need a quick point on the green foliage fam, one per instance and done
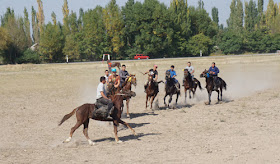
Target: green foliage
(198, 43)
(231, 43)
(29, 56)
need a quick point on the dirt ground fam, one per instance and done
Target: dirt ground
(244, 128)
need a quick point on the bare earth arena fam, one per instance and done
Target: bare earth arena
(243, 128)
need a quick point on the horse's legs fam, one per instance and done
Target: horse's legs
(127, 108)
(177, 98)
(209, 96)
(170, 99)
(152, 100)
(78, 124)
(190, 93)
(85, 131)
(218, 95)
(186, 92)
(221, 94)
(164, 99)
(146, 101)
(115, 123)
(127, 125)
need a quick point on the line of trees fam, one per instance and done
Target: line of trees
(150, 27)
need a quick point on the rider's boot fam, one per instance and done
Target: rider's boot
(215, 83)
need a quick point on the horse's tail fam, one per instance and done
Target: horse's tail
(224, 84)
(199, 85)
(67, 116)
(160, 82)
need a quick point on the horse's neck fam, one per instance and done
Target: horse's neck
(127, 86)
(209, 80)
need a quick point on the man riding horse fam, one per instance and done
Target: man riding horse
(173, 75)
(214, 71)
(190, 68)
(123, 75)
(154, 73)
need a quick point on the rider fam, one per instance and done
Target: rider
(154, 72)
(190, 68)
(173, 75)
(114, 78)
(107, 76)
(101, 95)
(109, 66)
(213, 71)
(123, 74)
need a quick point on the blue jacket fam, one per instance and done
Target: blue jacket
(215, 70)
(172, 73)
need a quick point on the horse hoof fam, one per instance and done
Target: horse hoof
(135, 134)
(119, 141)
(91, 143)
(128, 116)
(67, 140)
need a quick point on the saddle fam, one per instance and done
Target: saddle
(101, 111)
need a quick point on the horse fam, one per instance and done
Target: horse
(151, 90)
(190, 84)
(130, 80)
(86, 111)
(210, 85)
(114, 64)
(170, 88)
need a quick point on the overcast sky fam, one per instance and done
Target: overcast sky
(75, 5)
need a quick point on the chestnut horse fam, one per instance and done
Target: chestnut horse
(114, 64)
(151, 90)
(86, 111)
(190, 84)
(210, 85)
(130, 80)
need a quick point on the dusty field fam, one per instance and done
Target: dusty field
(244, 128)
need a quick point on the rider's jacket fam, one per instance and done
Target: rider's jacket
(215, 70)
(172, 73)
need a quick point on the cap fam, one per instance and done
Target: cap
(114, 70)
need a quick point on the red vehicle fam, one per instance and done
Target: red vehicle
(141, 56)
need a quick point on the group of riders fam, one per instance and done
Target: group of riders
(119, 80)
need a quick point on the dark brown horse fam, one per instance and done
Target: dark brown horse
(210, 85)
(151, 90)
(131, 80)
(114, 64)
(170, 88)
(190, 84)
(86, 111)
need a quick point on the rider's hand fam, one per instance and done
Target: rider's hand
(116, 86)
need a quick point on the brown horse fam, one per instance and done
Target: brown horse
(210, 85)
(170, 88)
(131, 80)
(151, 90)
(190, 84)
(114, 64)
(86, 111)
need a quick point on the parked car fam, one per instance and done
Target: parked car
(141, 56)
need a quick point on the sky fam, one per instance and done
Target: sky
(75, 5)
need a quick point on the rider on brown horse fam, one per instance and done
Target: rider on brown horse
(172, 76)
(153, 72)
(123, 75)
(114, 78)
(101, 96)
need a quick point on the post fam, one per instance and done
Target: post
(67, 59)
(200, 53)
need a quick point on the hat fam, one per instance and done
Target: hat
(155, 65)
(114, 70)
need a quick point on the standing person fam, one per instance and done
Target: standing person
(107, 76)
(101, 96)
(114, 78)
(109, 66)
(173, 75)
(214, 71)
(123, 75)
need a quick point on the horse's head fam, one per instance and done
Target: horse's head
(204, 74)
(167, 75)
(150, 77)
(186, 73)
(132, 79)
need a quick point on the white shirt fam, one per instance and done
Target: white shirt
(100, 88)
(107, 77)
(190, 69)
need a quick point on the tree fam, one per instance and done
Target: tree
(198, 43)
(251, 15)
(27, 28)
(231, 43)
(65, 11)
(51, 43)
(40, 16)
(35, 29)
(235, 21)
(54, 18)
(215, 15)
